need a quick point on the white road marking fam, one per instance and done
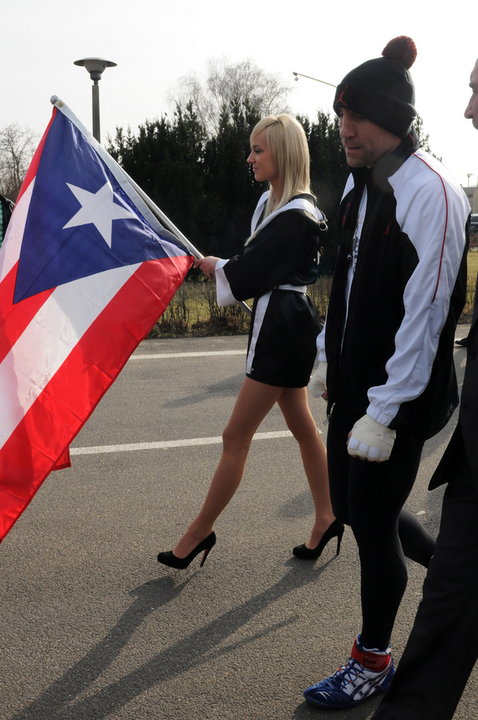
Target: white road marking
(168, 356)
(166, 444)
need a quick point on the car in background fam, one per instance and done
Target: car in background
(474, 231)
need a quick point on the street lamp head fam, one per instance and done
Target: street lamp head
(95, 66)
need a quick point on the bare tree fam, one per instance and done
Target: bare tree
(17, 146)
(241, 83)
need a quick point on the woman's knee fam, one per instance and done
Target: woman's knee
(234, 440)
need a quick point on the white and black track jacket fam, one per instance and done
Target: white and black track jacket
(398, 290)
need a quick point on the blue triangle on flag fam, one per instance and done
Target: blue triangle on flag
(66, 238)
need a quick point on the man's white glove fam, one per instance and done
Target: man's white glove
(318, 380)
(370, 440)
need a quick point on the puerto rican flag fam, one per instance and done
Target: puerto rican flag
(86, 269)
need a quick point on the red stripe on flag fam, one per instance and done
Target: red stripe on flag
(15, 317)
(32, 170)
(70, 397)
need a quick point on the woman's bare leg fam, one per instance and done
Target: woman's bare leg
(294, 405)
(253, 403)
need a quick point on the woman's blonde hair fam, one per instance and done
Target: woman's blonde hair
(288, 144)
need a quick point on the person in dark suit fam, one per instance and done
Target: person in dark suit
(6, 209)
(443, 645)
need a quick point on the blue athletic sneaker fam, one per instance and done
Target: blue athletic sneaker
(367, 673)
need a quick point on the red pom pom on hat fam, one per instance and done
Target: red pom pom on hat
(401, 48)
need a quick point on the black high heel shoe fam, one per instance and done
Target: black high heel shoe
(335, 529)
(169, 558)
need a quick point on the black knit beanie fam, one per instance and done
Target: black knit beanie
(381, 90)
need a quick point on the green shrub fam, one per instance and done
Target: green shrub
(194, 312)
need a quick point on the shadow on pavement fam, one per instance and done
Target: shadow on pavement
(57, 702)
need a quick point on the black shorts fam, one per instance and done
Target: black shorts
(282, 339)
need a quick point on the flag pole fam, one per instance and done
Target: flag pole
(164, 218)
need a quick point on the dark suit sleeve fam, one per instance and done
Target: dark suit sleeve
(276, 252)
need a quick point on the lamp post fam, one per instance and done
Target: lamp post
(297, 75)
(472, 192)
(95, 67)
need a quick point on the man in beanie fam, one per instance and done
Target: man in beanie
(443, 645)
(386, 352)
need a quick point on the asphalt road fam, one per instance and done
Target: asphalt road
(92, 627)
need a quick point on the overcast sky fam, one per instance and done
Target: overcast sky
(157, 42)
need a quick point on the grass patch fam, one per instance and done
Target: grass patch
(472, 269)
(194, 312)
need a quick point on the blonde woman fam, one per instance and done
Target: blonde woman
(279, 260)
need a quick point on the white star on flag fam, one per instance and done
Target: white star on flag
(98, 209)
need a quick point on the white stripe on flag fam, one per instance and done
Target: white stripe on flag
(11, 249)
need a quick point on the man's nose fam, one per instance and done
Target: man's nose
(346, 127)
